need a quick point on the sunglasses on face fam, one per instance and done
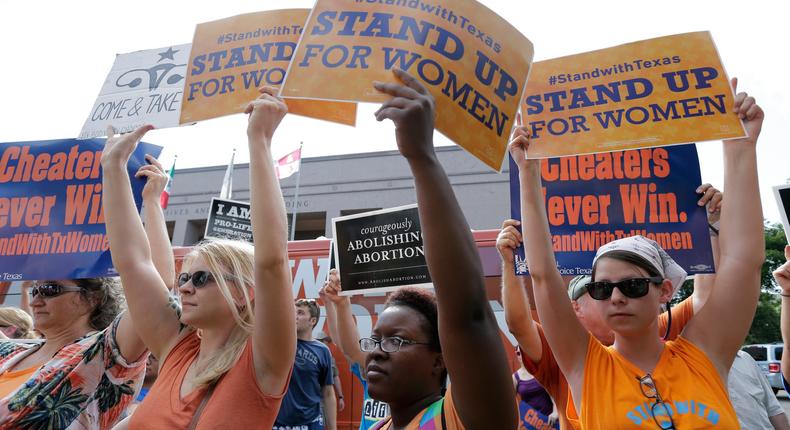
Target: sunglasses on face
(199, 278)
(52, 290)
(633, 288)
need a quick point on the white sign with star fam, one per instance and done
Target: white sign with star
(143, 87)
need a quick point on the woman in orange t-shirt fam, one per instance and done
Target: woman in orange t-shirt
(640, 381)
(222, 363)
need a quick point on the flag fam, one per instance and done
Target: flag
(165, 196)
(227, 183)
(289, 164)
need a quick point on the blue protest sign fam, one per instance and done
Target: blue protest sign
(596, 198)
(51, 217)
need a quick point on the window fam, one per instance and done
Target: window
(778, 353)
(758, 353)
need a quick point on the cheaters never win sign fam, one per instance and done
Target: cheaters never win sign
(473, 62)
(380, 250)
(51, 212)
(229, 219)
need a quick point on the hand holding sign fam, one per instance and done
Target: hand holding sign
(331, 290)
(156, 179)
(411, 108)
(265, 112)
(118, 149)
(751, 114)
(782, 274)
(712, 199)
(518, 148)
(509, 239)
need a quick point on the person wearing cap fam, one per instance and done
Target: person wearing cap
(640, 380)
(537, 357)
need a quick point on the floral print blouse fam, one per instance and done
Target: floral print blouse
(86, 385)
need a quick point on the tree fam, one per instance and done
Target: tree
(765, 326)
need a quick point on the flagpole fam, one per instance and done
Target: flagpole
(296, 193)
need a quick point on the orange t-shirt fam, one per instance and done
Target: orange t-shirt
(692, 390)
(13, 379)
(237, 402)
(548, 373)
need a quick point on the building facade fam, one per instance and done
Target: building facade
(334, 186)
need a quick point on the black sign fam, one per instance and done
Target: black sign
(782, 193)
(380, 250)
(229, 219)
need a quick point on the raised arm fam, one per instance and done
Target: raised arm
(274, 331)
(514, 297)
(149, 302)
(481, 384)
(155, 225)
(782, 278)
(347, 331)
(564, 333)
(742, 248)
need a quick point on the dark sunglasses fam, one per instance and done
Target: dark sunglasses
(199, 278)
(632, 288)
(52, 290)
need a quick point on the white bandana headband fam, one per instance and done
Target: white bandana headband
(652, 253)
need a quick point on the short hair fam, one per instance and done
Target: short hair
(424, 302)
(311, 306)
(107, 297)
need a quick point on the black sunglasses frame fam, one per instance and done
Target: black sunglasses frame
(647, 382)
(633, 288)
(51, 289)
(199, 278)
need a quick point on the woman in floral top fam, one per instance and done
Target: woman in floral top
(92, 363)
(87, 370)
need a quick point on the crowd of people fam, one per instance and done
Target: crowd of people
(224, 344)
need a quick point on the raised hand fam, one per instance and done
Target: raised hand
(118, 149)
(265, 112)
(712, 199)
(411, 108)
(156, 178)
(750, 113)
(518, 147)
(509, 239)
(782, 274)
(332, 289)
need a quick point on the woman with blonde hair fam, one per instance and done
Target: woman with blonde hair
(16, 324)
(227, 348)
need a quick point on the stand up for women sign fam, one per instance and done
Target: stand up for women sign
(594, 199)
(231, 58)
(472, 61)
(656, 92)
(380, 250)
(51, 215)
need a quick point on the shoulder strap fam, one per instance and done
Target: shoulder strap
(196, 417)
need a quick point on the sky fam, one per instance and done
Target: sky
(56, 56)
